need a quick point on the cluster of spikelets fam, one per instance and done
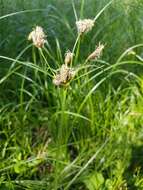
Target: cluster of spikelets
(66, 73)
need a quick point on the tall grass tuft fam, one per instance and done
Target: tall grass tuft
(71, 91)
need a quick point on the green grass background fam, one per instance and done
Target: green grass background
(89, 135)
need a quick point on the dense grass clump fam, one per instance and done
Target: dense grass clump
(71, 95)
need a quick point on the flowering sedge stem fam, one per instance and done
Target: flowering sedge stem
(74, 9)
(49, 54)
(46, 62)
(74, 47)
(102, 10)
(76, 42)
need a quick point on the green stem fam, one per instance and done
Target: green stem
(44, 58)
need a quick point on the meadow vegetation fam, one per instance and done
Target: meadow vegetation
(71, 104)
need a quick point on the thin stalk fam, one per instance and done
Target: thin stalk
(50, 55)
(36, 75)
(74, 47)
(74, 9)
(102, 10)
(76, 42)
(21, 94)
(22, 12)
(44, 58)
(82, 8)
(62, 132)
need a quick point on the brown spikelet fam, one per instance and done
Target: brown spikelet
(68, 57)
(64, 75)
(97, 53)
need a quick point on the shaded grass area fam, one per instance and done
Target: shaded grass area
(88, 134)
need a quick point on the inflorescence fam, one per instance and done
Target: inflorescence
(66, 72)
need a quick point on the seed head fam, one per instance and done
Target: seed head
(84, 26)
(57, 80)
(68, 57)
(97, 53)
(64, 75)
(37, 36)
